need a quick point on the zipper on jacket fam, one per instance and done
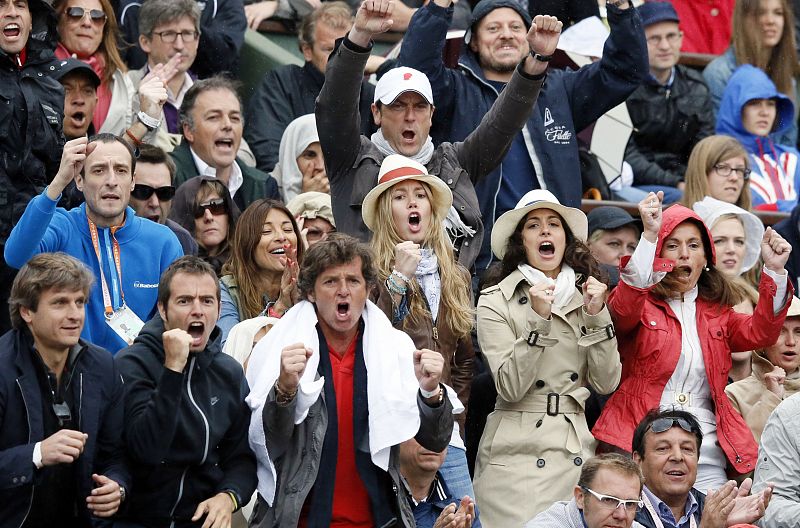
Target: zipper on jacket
(28, 418)
(80, 401)
(180, 496)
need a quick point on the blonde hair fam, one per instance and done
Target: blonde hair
(456, 287)
(706, 154)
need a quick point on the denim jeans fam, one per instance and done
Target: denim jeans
(455, 473)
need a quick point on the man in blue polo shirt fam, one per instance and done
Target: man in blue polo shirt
(127, 254)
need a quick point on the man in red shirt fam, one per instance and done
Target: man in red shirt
(348, 389)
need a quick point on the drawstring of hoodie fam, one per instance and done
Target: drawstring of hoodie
(773, 170)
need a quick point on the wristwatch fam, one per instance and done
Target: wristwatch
(122, 493)
(541, 58)
(147, 121)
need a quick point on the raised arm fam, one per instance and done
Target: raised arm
(486, 146)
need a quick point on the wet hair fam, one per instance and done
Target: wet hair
(705, 155)
(242, 264)
(190, 264)
(43, 272)
(612, 462)
(336, 250)
(576, 255)
(637, 446)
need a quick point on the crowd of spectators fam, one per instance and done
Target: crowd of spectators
(364, 292)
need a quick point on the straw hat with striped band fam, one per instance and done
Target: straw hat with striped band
(395, 169)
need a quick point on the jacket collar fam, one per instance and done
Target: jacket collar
(317, 77)
(124, 233)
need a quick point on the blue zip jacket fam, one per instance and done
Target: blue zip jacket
(568, 102)
(96, 388)
(146, 250)
(776, 175)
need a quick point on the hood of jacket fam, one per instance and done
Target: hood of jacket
(43, 38)
(748, 83)
(182, 210)
(677, 214)
(150, 337)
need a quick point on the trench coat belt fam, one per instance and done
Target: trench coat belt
(552, 404)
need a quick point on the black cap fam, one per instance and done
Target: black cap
(609, 217)
(69, 65)
(485, 7)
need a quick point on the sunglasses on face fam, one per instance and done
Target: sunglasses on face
(664, 424)
(97, 16)
(144, 192)
(215, 207)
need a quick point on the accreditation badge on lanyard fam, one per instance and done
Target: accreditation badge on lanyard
(657, 519)
(119, 317)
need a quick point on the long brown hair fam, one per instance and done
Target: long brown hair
(707, 153)
(456, 289)
(576, 255)
(108, 44)
(242, 265)
(780, 63)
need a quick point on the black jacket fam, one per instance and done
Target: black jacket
(186, 432)
(668, 123)
(222, 27)
(96, 389)
(285, 94)
(31, 118)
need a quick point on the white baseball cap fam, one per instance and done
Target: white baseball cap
(400, 80)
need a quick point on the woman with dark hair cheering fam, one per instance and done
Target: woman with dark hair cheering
(545, 332)
(674, 313)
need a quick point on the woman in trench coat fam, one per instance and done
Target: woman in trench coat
(545, 332)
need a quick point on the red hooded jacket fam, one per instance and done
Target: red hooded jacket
(649, 336)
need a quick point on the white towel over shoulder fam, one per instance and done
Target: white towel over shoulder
(391, 384)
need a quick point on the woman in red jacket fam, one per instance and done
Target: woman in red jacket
(676, 330)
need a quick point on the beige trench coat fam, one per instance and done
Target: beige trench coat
(536, 440)
(752, 399)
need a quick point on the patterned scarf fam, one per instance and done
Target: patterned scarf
(430, 283)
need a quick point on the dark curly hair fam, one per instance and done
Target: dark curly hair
(576, 255)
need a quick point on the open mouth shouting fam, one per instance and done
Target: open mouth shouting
(224, 145)
(547, 249)
(12, 30)
(197, 330)
(415, 222)
(343, 311)
(78, 119)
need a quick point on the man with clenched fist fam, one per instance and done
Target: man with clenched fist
(335, 389)
(185, 414)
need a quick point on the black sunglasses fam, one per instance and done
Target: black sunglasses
(144, 192)
(216, 207)
(664, 424)
(77, 13)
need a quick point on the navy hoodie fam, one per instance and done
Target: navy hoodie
(775, 176)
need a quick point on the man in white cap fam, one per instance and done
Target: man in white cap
(403, 109)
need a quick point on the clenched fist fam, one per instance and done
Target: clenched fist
(542, 296)
(428, 366)
(594, 295)
(177, 343)
(293, 364)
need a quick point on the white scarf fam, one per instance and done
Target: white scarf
(423, 156)
(564, 283)
(429, 280)
(391, 384)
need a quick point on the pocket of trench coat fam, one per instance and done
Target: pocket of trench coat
(510, 436)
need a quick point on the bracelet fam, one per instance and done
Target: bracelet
(136, 141)
(541, 58)
(393, 287)
(283, 397)
(430, 394)
(401, 276)
(233, 498)
(147, 121)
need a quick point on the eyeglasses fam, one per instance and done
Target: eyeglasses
(97, 16)
(144, 192)
(170, 36)
(216, 207)
(672, 38)
(610, 502)
(725, 170)
(664, 424)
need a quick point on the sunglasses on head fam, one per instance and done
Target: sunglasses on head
(664, 424)
(216, 207)
(77, 13)
(144, 192)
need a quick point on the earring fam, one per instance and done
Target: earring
(707, 268)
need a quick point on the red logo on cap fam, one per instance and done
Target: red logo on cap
(406, 76)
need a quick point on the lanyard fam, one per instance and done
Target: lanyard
(657, 518)
(112, 253)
